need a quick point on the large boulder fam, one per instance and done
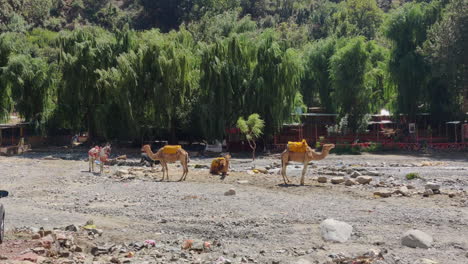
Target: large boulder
(416, 239)
(335, 231)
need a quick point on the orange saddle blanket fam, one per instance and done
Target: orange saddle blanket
(297, 146)
(171, 149)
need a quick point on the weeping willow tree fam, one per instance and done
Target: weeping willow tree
(30, 83)
(316, 83)
(407, 29)
(275, 83)
(377, 79)
(348, 68)
(447, 52)
(151, 85)
(82, 105)
(226, 67)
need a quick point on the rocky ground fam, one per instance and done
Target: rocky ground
(250, 216)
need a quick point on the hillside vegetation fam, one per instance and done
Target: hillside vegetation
(189, 69)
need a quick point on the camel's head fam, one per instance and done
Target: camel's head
(145, 148)
(328, 146)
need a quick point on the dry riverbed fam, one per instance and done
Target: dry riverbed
(264, 221)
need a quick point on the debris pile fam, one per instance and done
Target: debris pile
(136, 173)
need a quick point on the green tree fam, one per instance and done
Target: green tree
(276, 80)
(31, 83)
(252, 128)
(407, 29)
(227, 68)
(316, 79)
(358, 18)
(152, 86)
(348, 68)
(80, 102)
(448, 56)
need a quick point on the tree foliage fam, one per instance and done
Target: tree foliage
(407, 29)
(447, 52)
(252, 128)
(188, 69)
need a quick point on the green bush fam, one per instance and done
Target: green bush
(412, 176)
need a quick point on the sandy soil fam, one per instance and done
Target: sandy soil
(265, 222)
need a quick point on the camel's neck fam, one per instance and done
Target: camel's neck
(151, 154)
(320, 156)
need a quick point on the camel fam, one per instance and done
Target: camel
(179, 155)
(220, 165)
(99, 154)
(304, 157)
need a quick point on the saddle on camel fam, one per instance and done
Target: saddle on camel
(300, 147)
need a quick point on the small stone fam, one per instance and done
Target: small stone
(230, 192)
(432, 186)
(72, 228)
(29, 257)
(337, 180)
(64, 254)
(96, 251)
(355, 174)
(335, 231)
(39, 250)
(373, 173)
(416, 239)
(47, 241)
(425, 261)
(350, 182)
(383, 193)
(242, 181)
(364, 179)
(322, 179)
(428, 193)
(403, 190)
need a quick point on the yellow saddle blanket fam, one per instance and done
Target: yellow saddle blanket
(171, 149)
(216, 161)
(297, 146)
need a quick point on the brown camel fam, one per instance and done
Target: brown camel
(180, 154)
(220, 165)
(303, 157)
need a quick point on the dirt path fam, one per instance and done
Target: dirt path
(264, 222)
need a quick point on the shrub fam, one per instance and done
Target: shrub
(412, 176)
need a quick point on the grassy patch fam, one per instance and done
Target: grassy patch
(412, 176)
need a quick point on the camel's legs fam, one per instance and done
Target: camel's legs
(283, 172)
(90, 163)
(101, 164)
(167, 171)
(163, 170)
(184, 174)
(304, 171)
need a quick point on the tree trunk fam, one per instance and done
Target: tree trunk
(253, 146)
